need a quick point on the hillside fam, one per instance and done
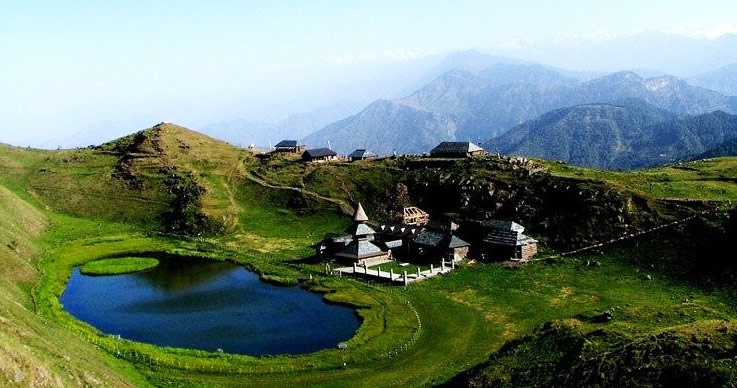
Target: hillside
(568, 353)
(598, 135)
(728, 148)
(36, 351)
(476, 106)
(683, 139)
(170, 190)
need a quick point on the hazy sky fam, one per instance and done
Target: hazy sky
(68, 65)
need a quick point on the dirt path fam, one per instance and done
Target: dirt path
(344, 206)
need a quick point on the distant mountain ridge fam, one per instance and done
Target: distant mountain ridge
(628, 134)
(722, 80)
(476, 106)
(728, 148)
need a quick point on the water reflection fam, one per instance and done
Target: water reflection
(208, 305)
(177, 274)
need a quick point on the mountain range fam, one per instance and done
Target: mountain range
(480, 105)
(626, 134)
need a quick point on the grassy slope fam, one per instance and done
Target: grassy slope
(465, 316)
(35, 351)
(706, 180)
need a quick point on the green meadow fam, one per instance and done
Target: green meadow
(64, 209)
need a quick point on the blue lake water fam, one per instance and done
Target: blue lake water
(208, 305)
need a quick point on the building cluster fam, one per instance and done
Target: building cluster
(446, 149)
(422, 241)
(415, 237)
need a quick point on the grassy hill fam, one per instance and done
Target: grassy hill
(711, 180)
(168, 189)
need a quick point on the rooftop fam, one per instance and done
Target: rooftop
(360, 214)
(508, 237)
(438, 239)
(286, 143)
(455, 147)
(360, 229)
(361, 153)
(505, 225)
(361, 249)
(320, 153)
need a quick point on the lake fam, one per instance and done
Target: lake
(208, 305)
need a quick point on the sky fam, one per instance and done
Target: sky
(67, 66)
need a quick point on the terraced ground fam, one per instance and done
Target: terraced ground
(172, 190)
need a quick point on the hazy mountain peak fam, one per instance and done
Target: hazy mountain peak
(661, 83)
(723, 79)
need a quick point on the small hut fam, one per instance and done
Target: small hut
(505, 240)
(289, 147)
(319, 155)
(361, 154)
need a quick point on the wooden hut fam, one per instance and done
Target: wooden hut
(289, 147)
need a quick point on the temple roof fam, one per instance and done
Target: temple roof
(360, 214)
(361, 249)
(360, 229)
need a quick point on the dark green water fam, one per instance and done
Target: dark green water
(208, 305)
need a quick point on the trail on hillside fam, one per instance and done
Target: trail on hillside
(345, 207)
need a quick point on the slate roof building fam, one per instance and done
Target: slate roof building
(433, 244)
(289, 146)
(456, 149)
(319, 155)
(361, 154)
(505, 240)
(362, 249)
